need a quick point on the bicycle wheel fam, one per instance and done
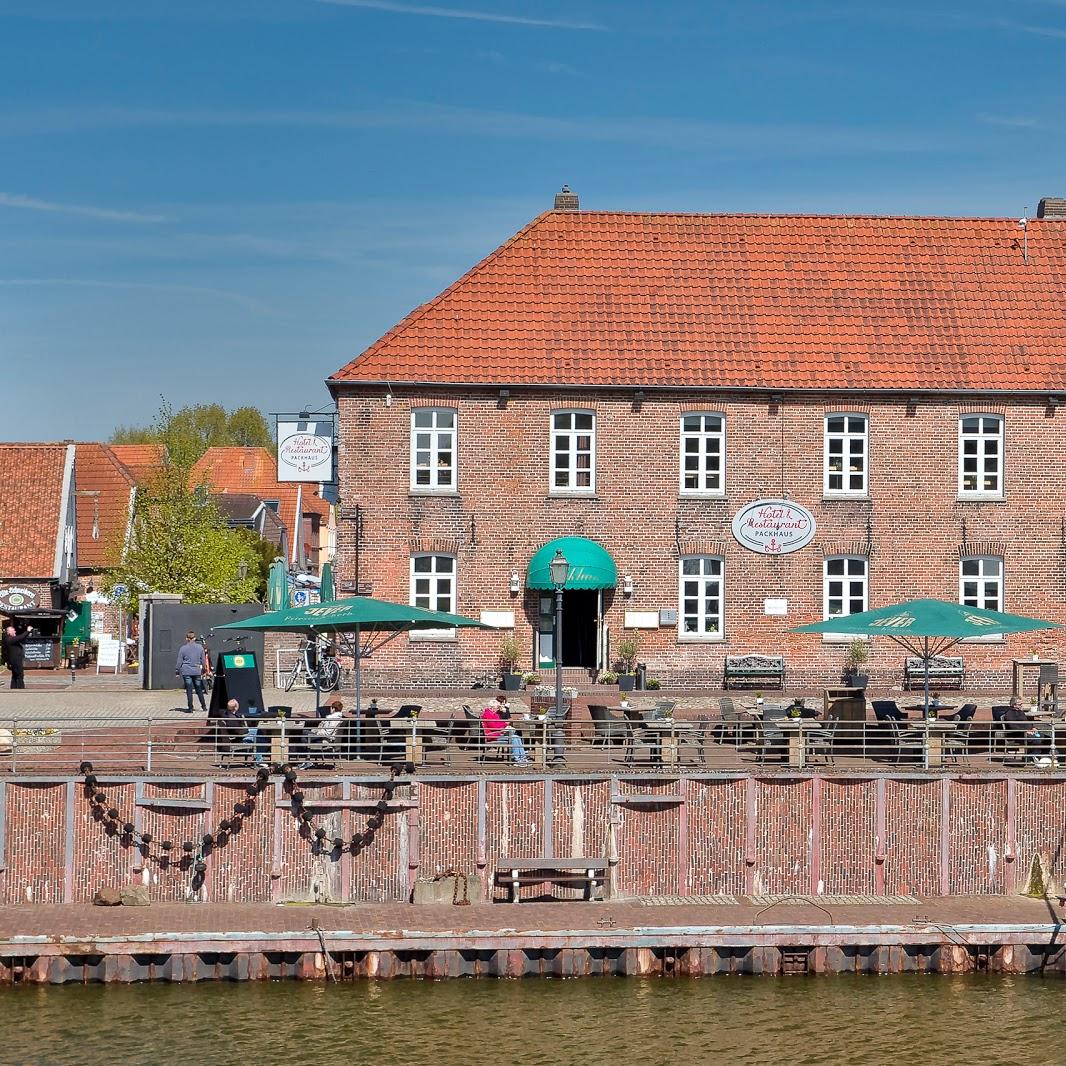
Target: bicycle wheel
(291, 679)
(329, 675)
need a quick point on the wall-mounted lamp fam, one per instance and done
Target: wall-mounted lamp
(627, 585)
(912, 401)
(515, 586)
(388, 394)
(777, 399)
(638, 399)
(505, 395)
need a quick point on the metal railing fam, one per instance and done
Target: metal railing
(50, 745)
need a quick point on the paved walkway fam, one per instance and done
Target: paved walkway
(513, 920)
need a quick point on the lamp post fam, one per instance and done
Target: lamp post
(559, 568)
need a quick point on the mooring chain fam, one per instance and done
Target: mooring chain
(458, 874)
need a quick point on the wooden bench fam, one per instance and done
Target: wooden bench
(588, 874)
(754, 669)
(941, 668)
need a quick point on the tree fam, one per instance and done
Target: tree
(189, 432)
(180, 543)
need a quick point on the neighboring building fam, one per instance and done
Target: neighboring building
(636, 380)
(306, 517)
(143, 461)
(243, 510)
(38, 560)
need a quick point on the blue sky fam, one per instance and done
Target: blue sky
(228, 199)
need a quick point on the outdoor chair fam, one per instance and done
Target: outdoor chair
(442, 740)
(888, 711)
(665, 708)
(637, 736)
(957, 744)
(607, 728)
(500, 747)
(695, 736)
(772, 742)
(408, 710)
(734, 725)
(820, 741)
(906, 743)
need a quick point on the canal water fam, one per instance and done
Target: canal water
(616, 1021)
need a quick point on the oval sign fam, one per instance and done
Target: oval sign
(774, 527)
(304, 452)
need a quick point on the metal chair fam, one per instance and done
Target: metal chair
(906, 741)
(608, 729)
(772, 742)
(820, 741)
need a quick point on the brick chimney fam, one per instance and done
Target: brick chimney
(1049, 207)
(565, 200)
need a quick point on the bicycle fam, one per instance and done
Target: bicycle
(315, 659)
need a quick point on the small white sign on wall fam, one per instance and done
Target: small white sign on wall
(775, 608)
(642, 620)
(498, 619)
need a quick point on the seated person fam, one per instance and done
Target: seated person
(327, 731)
(496, 728)
(1021, 731)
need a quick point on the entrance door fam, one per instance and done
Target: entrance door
(581, 610)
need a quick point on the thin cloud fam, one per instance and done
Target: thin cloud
(1018, 122)
(460, 13)
(91, 283)
(30, 203)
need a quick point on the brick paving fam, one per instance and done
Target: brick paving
(504, 919)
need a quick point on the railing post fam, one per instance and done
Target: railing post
(148, 753)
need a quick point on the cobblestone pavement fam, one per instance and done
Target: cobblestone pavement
(83, 920)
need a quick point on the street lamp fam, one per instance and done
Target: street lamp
(559, 568)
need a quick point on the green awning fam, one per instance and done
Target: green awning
(591, 567)
(927, 618)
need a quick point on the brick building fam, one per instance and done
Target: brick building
(637, 380)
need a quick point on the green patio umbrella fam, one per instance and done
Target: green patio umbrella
(927, 628)
(277, 596)
(360, 623)
(326, 591)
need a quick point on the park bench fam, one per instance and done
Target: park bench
(754, 670)
(941, 668)
(587, 874)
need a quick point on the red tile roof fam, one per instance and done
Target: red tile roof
(31, 491)
(254, 470)
(599, 298)
(142, 460)
(105, 494)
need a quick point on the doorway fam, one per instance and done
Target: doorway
(581, 618)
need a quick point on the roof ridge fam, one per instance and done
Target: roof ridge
(423, 309)
(862, 216)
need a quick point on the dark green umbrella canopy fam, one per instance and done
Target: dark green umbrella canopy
(327, 593)
(920, 619)
(360, 613)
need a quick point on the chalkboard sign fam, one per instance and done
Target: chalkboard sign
(39, 651)
(236, 678)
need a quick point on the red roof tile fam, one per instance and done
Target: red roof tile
(254, 470)
(598, 298)
(105, 493)
(142, 460)
(31, 491)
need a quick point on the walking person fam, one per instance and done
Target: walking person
(191, 667)
(15, 654)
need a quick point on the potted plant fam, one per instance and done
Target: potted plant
(858, 653)
(510, 653)
(531, 678)
(627, 659)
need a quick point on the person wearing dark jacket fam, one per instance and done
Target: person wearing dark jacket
(15, 654)
(191, 666)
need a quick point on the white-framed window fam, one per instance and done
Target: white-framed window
(433, 452)
(573, 450)
(702, 454)
(981, 455)
(433, 588)
(845, 588)
(846, 451)
(701, 598)
(981, 582)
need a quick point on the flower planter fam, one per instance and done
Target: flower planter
(511, 682)
(627, 682)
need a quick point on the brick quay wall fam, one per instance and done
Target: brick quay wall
(692, 835)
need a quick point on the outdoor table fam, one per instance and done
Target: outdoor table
(414, 732)
(280, 732)
(934, 729)
(940, 708)
(797, 730)
(669, 730)
(534, 734)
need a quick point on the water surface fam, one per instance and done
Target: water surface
(616, 1021)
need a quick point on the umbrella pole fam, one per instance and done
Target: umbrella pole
(358, 695)
(926, 658)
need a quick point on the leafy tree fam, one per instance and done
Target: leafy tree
(266, 553)
(189, 432)
(180, 543)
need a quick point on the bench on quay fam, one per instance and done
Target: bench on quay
(754, 670)
(587, 874)
(942, 668)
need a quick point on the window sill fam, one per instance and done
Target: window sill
(573, 494)
(844, 638)
(845, 497)
(693, 638)
(433, 492)
(998, 639)
(702, 496)
(980, 497)
(430, 637)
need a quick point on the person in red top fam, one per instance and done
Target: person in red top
(495, 726)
